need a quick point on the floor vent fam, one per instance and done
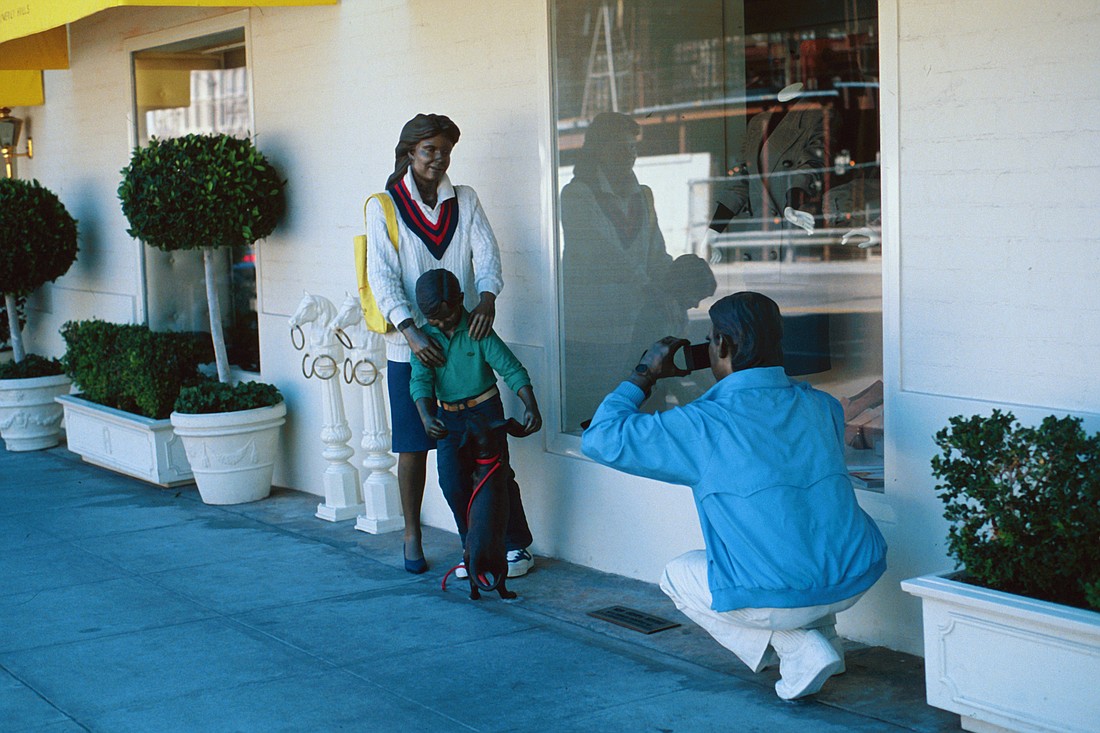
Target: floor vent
(634, 620)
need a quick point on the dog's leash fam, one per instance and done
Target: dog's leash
(495, 460)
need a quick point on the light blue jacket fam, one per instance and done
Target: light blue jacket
(763, 455)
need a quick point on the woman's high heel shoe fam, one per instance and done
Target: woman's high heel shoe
(416, 567)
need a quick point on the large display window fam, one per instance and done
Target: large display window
(198, 84)
(710, 147)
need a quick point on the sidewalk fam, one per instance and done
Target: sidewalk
(127, 607)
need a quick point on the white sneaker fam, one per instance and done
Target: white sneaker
(460, 571)
(806, 660)
(519, 562)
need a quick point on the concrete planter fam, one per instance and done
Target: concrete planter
(1008, 663)
(124, 442)
(232, 453)
(29, 417)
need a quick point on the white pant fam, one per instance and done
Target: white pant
(747, 632)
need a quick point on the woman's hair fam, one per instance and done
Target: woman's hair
(419, 128)
(753, 328)
(435, 288)
(606, 128)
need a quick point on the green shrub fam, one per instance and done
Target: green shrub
(31, 367)
(37, 236)
(209, 397)
(1024, 504)
(131, 368)
(38, 244)
(200, 191)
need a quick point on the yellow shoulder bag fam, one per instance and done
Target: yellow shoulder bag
(373, 316)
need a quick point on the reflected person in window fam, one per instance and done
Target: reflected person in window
(440, 225)
(786, 544)
(613, 259)
(779, 176)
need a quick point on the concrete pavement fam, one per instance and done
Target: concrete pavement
(128, 607)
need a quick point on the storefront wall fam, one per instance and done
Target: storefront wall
(989, 260)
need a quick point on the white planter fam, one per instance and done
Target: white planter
(124, 442)
(232, 453)
(29, 417)
(1005, 662)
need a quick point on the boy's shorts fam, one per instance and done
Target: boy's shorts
(408, 431)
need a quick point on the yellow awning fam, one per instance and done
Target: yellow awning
(34, 36)
(22, 18)
(21, 89)
(45, 50)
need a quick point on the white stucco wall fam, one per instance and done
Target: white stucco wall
(990, 145)
(989, 258)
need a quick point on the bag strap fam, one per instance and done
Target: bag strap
(387, 209)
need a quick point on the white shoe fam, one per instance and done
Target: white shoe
(519, 562)
(460, 571)
(806, 660)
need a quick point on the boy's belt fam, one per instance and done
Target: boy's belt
(463, 404)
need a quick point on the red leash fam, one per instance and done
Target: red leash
(481, 462)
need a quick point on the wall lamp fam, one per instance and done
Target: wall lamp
(10, 127)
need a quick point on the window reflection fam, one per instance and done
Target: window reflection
(199, 85)
(711, 147)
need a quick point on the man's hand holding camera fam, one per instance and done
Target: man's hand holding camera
(657, 363)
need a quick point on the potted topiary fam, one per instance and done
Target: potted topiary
(1012, 642)
(129, 378)
(231, 434)
(204, 192)
(38, 244)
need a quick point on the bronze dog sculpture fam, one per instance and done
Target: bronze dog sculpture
(487, 513)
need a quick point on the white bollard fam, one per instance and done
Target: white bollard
(323, 360)
(381, 498)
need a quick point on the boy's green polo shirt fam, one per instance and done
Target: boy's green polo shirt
(469, 367)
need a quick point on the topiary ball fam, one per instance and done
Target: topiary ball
(200, 191)
(38, 240)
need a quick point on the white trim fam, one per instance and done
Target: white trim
(556, 440)
(890, 170)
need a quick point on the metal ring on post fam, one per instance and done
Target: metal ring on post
(373, 372)
(343, 338)
(294, 343)
(327, 364)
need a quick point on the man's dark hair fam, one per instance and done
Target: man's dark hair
(434, 289)
(419, 128)
(752, 327)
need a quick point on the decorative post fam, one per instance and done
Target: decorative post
(382, 502)
(341, 479)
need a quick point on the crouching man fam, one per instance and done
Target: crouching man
(787, 546)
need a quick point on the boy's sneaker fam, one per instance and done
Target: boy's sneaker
(519, 562)
(460, 571)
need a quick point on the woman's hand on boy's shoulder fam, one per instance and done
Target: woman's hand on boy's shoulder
(482, 316)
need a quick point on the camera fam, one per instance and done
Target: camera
(697, 356)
